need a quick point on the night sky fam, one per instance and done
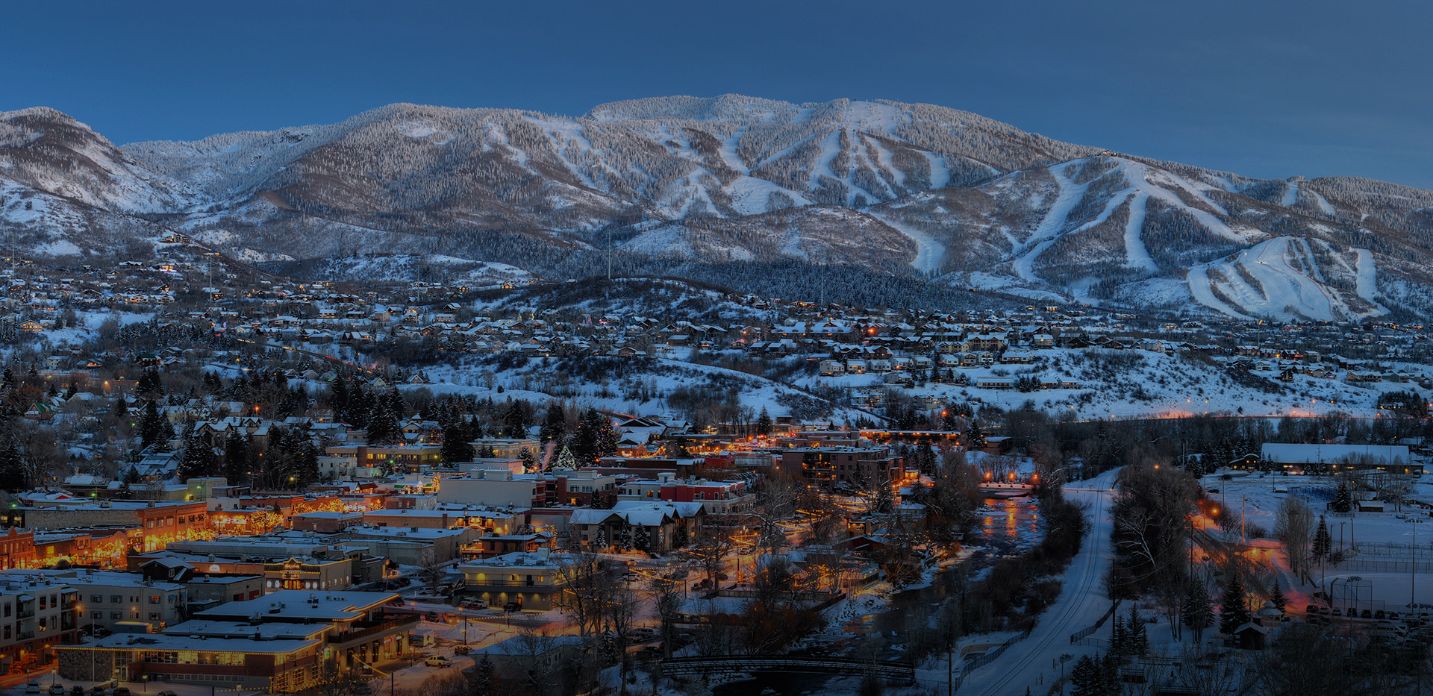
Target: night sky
(1269, 89)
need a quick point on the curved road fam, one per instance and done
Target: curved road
(1081, 602)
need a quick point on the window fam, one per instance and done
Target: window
(115, 599)
(156, 599)
(97, 599)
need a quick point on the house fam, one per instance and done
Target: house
(528, 579)
(654, 527)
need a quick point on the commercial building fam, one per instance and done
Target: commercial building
(284, 642)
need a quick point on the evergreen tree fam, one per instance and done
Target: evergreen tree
(121, 407)
(305, 463)
(1233, 610)
(565, 461)
(1195, 611)
(14, 474)
(1277, 598)
(763, 423)
(1087, 678)
(483, 679)
(554, 424)
(1323, 542)
(149, 385)
(1110, 675)
(198, 458)
(515, 420)
(236, 458)
(1343, 499)
(1119, 637)
(607, 438)
(456, 447)
(338, 398)
(382, 423)
(396, 403)
(975, 438)
(1138, 636)
(131, 476)
(584, 441)
(154, 428)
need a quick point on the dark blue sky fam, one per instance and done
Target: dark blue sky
(1260, 87)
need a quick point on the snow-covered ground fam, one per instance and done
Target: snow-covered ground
(1142, 383)
(1381, 548)
(1033, 661)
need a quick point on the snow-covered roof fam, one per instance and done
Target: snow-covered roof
(1294, 453)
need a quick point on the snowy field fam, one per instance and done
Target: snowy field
(1381, 549)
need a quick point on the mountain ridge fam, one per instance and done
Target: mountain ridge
(883, 187)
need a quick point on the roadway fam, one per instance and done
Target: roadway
(1033, 662)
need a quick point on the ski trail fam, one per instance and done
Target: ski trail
(929, 252)
(1055, 218)
(1291, 193)
(1136, 254)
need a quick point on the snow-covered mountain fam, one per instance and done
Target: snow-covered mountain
(680, 183)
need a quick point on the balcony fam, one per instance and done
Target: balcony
(480, 585)
(363, 632)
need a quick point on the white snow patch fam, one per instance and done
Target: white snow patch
(930, 253)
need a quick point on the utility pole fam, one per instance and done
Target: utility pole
(950, 670)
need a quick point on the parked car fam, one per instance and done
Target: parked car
(461, 650)
(32, 689)
(438, 661)
(512, 606)
(57, 690)
(77, 690)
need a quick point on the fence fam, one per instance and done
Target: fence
(990, 656)
(1088, 631)
(1384, 565)
(1385, 549)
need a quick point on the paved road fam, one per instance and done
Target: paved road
(1081, 602)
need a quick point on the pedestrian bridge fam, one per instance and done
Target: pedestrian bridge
(891, 672)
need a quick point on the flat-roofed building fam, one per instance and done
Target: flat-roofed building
(284, 642)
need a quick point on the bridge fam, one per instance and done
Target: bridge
(891, 672)
(994, 489)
